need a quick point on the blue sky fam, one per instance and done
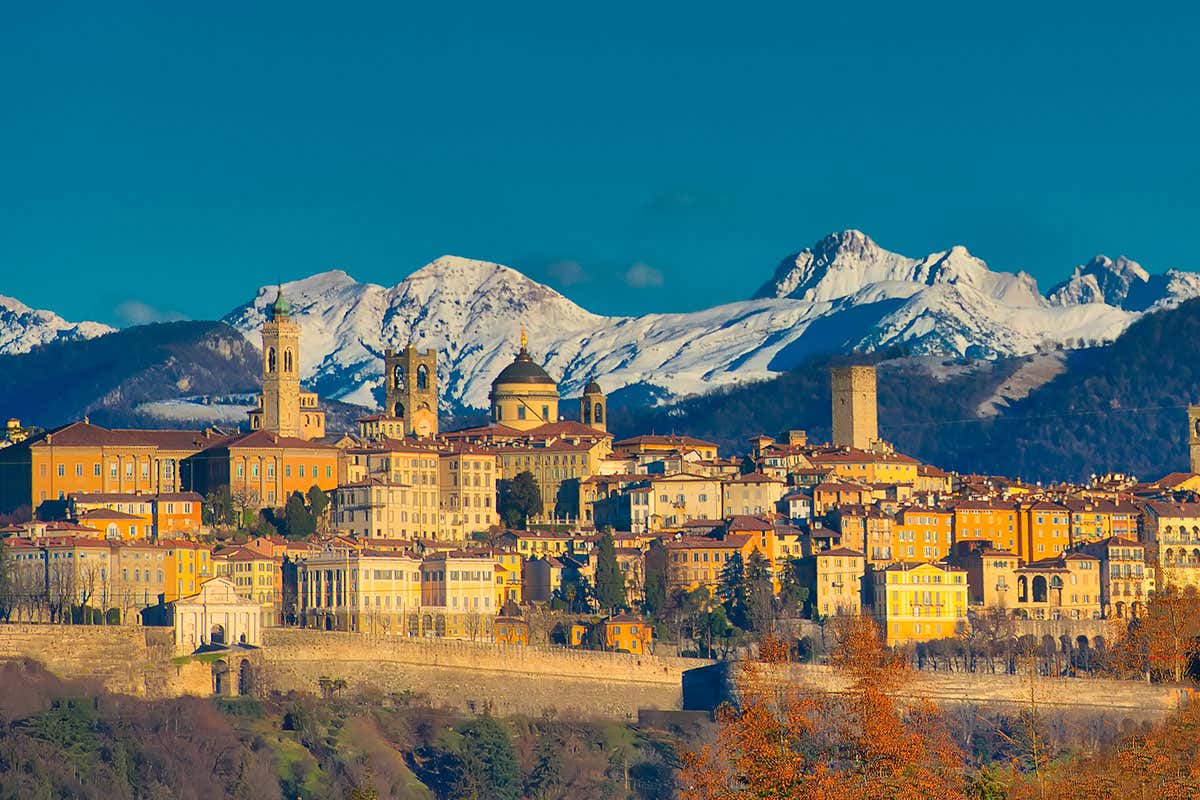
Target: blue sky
(639, 156)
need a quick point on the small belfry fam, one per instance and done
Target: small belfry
(411, 390)
(283, 408)
(1194, 438)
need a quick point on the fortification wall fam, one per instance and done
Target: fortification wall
(469, 675)
(706, 688)
(138, 661)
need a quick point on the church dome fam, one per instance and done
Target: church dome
(281, 308)
(524, 370)
(592, 388)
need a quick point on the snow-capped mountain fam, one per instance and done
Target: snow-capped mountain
(844, 293)
(23, 328)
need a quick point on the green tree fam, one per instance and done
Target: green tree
(732, 590)
(218, 507)
(298, 521)
(518, 499)
(489, 763)
(8, 589)
(759, 594)
(318, 502)
(793, 594)
(610, 581)
(546, 774)
(656, 587)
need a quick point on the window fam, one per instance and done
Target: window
(62, 470)
(520, 412)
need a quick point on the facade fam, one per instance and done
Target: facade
(855, 423)
(1044, 530)
(752, 493)
(216, 616)
(697, 561)
(265, 468)
(410, 385)
(920, 603)
(188, 567)
(626, 633)
(1171, 535)
(1126, 580)
(160, 515)
(467, 492)
(375, 508)
(81, 458)
(839, 582)
(989, 521)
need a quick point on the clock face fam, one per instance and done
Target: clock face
(423, 428)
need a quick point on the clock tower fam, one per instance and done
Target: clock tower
(410, 386)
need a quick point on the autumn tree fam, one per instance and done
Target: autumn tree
(1162, 643)
(782, 740)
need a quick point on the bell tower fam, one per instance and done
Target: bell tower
(410, 381)
(593, 407)
(281, 370)
(1194, 437)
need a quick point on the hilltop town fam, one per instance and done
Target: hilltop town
(535, 528)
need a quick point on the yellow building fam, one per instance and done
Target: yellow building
(920, 603)
(467, 492)
(650, 447)
(343, 588)
(255, 575)
(1171, 534)
(1044, 530)
(865, 466)
(188, 567)
(524, 395)
(752, 493)
(839, 582)
(1093, 520)
(697, 561)
(1126, 580)
(509, 570)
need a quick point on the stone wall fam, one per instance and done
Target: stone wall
(707, 687)
(469, 675)
(139, 661)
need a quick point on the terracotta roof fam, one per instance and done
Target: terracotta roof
(667, 441)
(842, 551)
(754, 477)
(267, 439)
(106, 513)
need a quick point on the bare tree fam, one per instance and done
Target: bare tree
(62, 586)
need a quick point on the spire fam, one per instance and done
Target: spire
(523, 340)
(281, 307)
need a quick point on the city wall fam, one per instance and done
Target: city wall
(504, 679)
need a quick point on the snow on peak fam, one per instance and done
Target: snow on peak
(1103, 280)
(844, 264)
(843, 293)
(23, 328)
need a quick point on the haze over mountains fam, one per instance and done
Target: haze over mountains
(844, 293)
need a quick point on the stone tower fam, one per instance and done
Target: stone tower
(593, 408)
(410, 378)
(1194, 437)
(854, 408)
(281, 371)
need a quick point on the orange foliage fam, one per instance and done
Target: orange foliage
(1164, 640)
(787, 742)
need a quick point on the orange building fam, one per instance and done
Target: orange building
(158, 515)
(81, 458)
(627, 634)
(922, 534)
(265, 467)
(1044, 530)
(987, 521)
(696, 561)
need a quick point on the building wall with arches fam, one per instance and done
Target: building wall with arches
(216, 617)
